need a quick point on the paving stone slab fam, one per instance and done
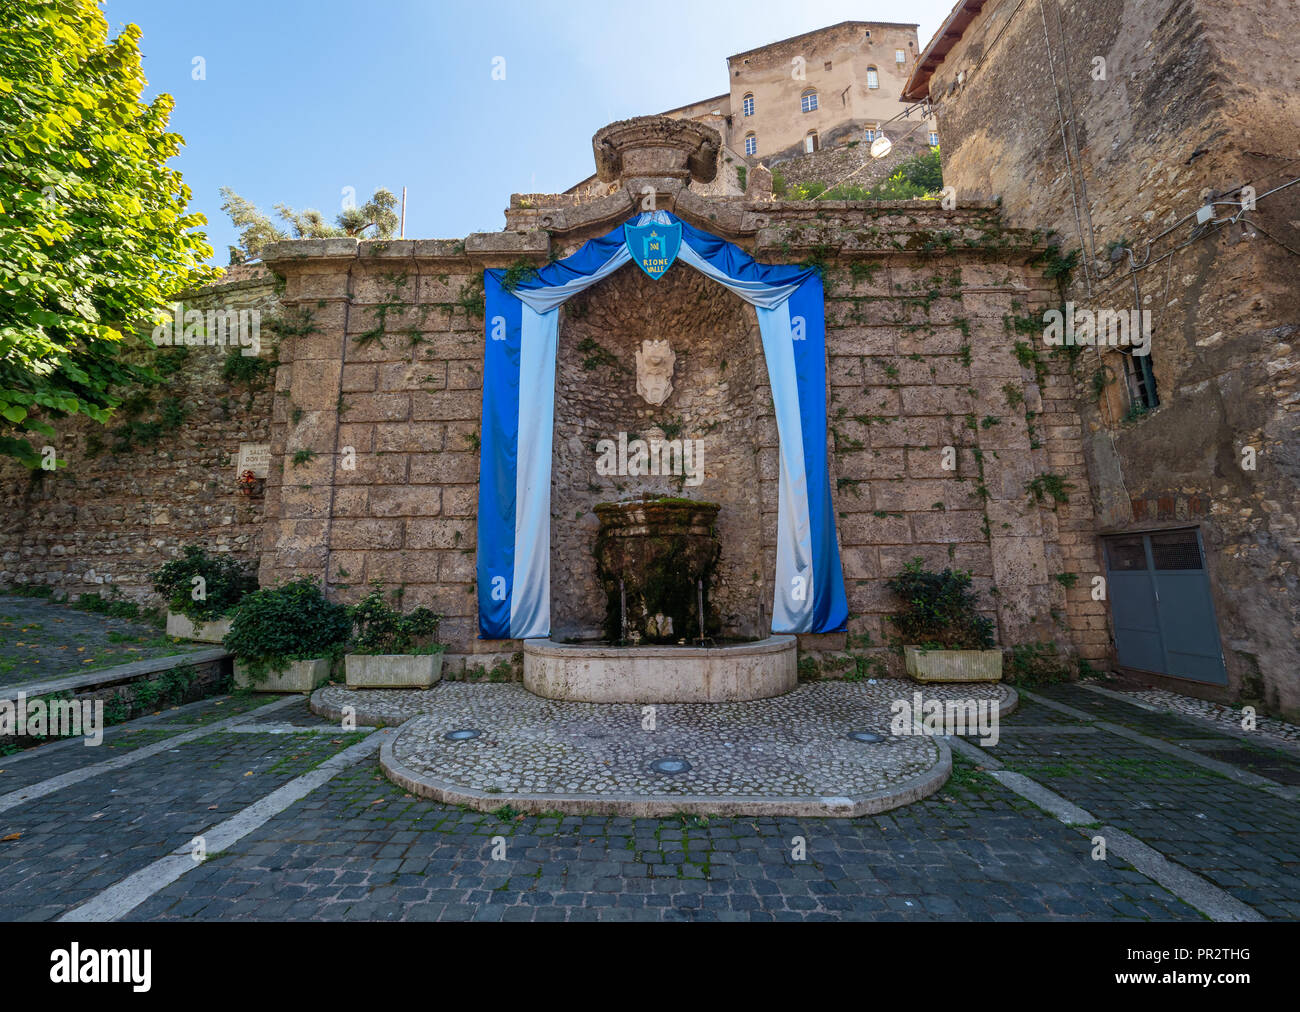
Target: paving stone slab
(973, 851)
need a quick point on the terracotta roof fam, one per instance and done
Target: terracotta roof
(948, 35)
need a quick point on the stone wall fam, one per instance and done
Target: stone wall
(375, 439)
(921, 354)
(109, 517)
(922, 357)
(846, 158)
(1198, 99)
(375, 423)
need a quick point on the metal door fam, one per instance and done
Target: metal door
(1161, 605)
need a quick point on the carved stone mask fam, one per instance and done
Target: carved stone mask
(654, 371)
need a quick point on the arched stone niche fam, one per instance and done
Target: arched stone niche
(719, 395)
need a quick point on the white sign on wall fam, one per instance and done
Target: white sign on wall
(255, 457)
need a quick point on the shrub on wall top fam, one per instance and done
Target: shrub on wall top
(938, 610)
(293, 622)
(225, 582)
(381, 629)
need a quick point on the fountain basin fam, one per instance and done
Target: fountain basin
(658, 552)
(601, 673)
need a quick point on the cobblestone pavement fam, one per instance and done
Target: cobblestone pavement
(1226, 716)
(40, 640)
(790, 746)
(359, 847)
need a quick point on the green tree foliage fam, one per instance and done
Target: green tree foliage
(255, 228)
(375, 219)
(94, 234)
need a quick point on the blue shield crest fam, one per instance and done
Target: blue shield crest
(654, 247)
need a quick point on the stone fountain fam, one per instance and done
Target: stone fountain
(664, 597)
(656, 559)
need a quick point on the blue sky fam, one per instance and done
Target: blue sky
(302, 98)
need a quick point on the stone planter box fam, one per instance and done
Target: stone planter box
(392, 671)
(299, 676)
(204, 632)
(953, 665)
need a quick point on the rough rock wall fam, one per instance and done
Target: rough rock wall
(376, 427)
(109, 518)
(1198, 99)
(922, 357)
(846, 158)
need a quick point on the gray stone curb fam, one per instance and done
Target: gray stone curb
(48, 747)
(114, 676)
(1186, 885)
(295, 729)
(322, 708)
(45, 787)
(1205, 762)
(1052, 704)
(1206, 897)
(1241, 776)
(371, 719)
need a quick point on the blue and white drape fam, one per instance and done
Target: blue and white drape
(514, 515)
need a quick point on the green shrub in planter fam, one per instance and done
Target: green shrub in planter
(938, 610)
(226, 581)
(292, 622)
(382, 629)
(391, 650)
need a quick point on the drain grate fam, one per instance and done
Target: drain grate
(868, 737)
(670, 766)
(462, 734)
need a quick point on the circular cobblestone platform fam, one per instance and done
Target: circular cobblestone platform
(784, 756)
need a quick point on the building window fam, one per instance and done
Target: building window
(868, 135)
(873, 79)
(900, 56)
(808, 100)
(827, 65)
(747, 105)
(751, 144)
(934, 139)
(810, 142)
(1141, 384)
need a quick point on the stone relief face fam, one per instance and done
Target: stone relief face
(654, 371)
